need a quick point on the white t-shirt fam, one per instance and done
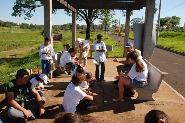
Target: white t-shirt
(48, 49)
(100, 55)
(65, 58)
(84, 85)
(137, 75)
(36, 84)
(72, 97)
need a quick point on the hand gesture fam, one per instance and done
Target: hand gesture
(27, 113)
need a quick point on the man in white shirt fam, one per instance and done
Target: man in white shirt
(100, 48)
(47, 54)
(84, 50)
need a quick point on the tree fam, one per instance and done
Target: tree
(115, 23)
(136, 20)
(106, 17)
(170, 22)
(88, 15)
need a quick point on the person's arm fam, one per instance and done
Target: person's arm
(122, 61)
(13, 103)
(38, 98)
(88, 97)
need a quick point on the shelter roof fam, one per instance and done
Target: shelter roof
(99, 4)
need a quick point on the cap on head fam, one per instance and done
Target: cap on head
(79, 40)
(129, 44)
(44, 77)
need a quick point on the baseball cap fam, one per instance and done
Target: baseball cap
(79, 39)
(44, 77)
(129, 44)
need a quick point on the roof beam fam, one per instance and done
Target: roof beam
(67, 5)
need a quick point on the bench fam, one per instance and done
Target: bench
(109, 49)
(155, 77)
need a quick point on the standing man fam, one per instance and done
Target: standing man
(47, 54)
(84, 50)
(100, 48)
(18, 105)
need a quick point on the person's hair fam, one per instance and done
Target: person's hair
(99, 36)
(71, 50)
(64, 44)
(67, 45)
(139, 65)
(73, 118)
(79, 69)
(156, 116)
(47, 39)
(78, 78)
(21, 73)
(88, 75)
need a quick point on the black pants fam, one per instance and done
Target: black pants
(102, 71)
(83, 105)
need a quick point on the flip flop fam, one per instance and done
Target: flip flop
(115, 100)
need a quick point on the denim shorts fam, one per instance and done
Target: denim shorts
(136, 84)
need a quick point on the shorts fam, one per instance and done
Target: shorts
(136, 84)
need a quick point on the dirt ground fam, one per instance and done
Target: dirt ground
(129, 111)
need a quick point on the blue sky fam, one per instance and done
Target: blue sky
(169, 8)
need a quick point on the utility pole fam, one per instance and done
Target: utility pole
(158, 25)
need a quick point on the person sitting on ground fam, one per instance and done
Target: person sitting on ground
(37, 82)
(74, 98)
(84, 50)
(64, 117)
(18, 106)
(156, 116)
(136, 77)
(85, 84)
(79, 69)
(67, 60)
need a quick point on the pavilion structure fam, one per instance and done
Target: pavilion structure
(127, 5)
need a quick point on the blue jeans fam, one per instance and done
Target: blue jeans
(71, 66)
(46, 66)
(102, 71)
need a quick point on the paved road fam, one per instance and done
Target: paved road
(168, 62)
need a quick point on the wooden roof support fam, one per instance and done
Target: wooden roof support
(67, 5)
(137, 3)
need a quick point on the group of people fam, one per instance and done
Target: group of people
(26, 102)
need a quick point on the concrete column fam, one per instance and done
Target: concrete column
(48, 20)
(127, 25)
(73, 28)
(149, 16)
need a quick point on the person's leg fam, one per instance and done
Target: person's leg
(33, 106)
(43, 62)
(80, 58)
(123, 81)
(48, 66)
(82, 105)
(14, 113)
(71, 65)
(97, 73)
(102, 70)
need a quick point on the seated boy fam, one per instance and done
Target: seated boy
(18, 106)
(74, 98)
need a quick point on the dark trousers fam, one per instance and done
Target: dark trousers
(83, 104)
(101, 77)
(71, 66)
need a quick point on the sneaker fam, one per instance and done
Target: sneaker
(103, 80)
(92, 108)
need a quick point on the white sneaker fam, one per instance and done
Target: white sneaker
(92, 108)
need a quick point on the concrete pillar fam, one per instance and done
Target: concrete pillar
(127, 25)
(149, 16)
(73, 28)
(48, 20)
